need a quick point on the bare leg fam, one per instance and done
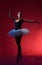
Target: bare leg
(18, 41)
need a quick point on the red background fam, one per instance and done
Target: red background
(31, 43)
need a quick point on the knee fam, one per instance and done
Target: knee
(19, 47)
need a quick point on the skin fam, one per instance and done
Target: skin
(19, 16)
(18, 39)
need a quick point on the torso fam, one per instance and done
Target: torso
(18, 24)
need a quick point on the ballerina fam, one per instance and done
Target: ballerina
(17, 32)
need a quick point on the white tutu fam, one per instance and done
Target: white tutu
(18, 32)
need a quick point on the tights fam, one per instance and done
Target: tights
(18, 41)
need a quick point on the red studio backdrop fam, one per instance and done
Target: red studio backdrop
(31, 43)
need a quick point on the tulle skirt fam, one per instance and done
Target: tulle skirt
(18, 32)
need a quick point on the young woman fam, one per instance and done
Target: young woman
(17, 32)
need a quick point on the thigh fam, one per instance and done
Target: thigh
(18, 40)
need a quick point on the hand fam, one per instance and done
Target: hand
(9, 13)
(36, 22)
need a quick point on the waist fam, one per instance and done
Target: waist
(17, 28)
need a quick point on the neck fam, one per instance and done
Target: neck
(19, 18)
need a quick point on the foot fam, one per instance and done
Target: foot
(17, 59)
(20, 57)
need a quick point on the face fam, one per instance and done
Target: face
(19, 14)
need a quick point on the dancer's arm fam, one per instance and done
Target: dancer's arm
(10, 16)
(30, 21)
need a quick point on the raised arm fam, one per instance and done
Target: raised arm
(31, 21)
(10, 16)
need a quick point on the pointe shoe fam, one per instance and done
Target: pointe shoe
(20, 57)
(17, 59)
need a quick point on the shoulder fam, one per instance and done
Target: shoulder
(22, 19)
